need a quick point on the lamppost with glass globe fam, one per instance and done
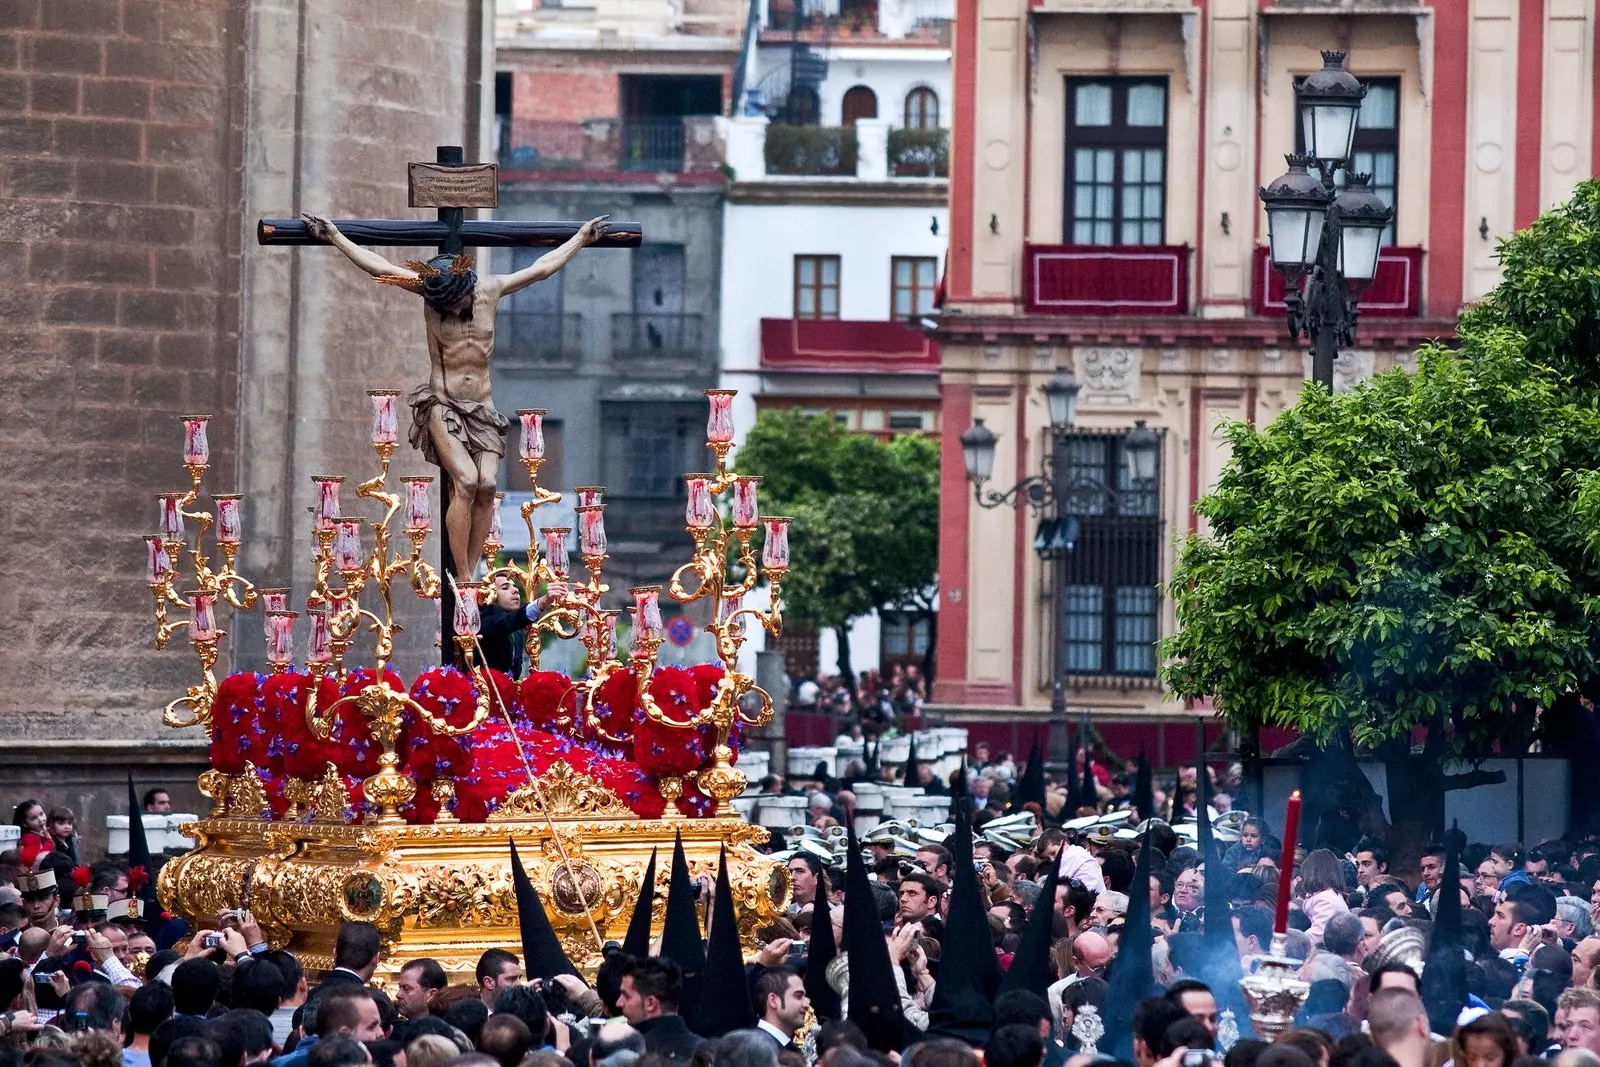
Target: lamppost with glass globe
(1324, 239)
(1049, 494)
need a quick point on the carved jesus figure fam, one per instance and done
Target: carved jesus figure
(454, 422)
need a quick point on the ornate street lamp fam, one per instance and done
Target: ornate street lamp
(1048, 494)
(1325, 245)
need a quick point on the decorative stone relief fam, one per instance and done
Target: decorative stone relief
(1110, 375)
(1350, 368)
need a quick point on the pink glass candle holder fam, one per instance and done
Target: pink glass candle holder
(730, 612)
(385, 424)
(327, 508)
(229, 529)
(272, 600)
(158, 565)
(608, 633)
(320, 650)
(419, 502)
(280, 637)
(196, 448)
(532, 444)
(466, 619)
(744, 501)
(775, 551)
(719, 423)
(171, 516)
(555, 548)
(347, 544)
(647, 611)
(496, 530)
(589, 495)
(699, 512)
(592, 529)
(202, 615)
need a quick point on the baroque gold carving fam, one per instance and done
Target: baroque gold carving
(247, 797)
(567, 793)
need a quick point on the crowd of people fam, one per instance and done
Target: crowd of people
(1033, 935)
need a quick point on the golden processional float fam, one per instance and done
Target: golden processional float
(341, 793)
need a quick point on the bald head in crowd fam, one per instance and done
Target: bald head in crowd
(1090, 954)
(1399, 1025)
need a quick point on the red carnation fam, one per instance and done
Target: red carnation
(616, 705)
(82, 876)
(449, 696)
(665, 751)
(137, 877)
(547, 695)
(296, 749)
(694, 803)
(82, 968)
(352, 734)
(707, 676)
(238, 734)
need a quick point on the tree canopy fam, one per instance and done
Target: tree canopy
(1421, 552)
(866, 514)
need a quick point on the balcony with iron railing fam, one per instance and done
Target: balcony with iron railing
(869, 150)
(538, 338)
(646, 342)
(684, 144)
(855, 21)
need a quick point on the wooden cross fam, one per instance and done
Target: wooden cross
(451, 185)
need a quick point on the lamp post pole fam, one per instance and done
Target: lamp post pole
(1048, 494)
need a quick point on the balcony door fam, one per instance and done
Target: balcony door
(658, 281)
(1116, 165)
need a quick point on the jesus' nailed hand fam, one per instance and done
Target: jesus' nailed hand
(453, 417)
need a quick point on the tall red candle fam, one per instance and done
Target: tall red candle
(1291, 828)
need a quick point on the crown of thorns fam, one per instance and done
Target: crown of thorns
(460, 264)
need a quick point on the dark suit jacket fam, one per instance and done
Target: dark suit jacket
(501, 638)
(336, 977)
(669, 1036)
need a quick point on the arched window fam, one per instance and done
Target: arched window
(922, 109)
(859, 103)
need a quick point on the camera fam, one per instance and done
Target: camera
(1199, 1057)
(212, 940)
(79, 937)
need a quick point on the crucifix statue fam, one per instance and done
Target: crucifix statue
(454, 421)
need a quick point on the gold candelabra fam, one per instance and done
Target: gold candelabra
(164, 553)
(723, 532)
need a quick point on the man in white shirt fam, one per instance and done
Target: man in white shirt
(781, 997)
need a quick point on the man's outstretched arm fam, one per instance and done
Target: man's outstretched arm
(554, 259)
(366, 259)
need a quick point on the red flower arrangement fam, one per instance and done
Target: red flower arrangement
(238, 732)
(358, 750)
(693, 803)
(293, 748)
(448, 695)
(547, 695)
(616, 705)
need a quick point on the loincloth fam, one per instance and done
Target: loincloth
(478, 426)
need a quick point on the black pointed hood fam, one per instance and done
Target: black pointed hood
(913, 772)
(1222, 969)
(960, 795)
(1144, 790)
(1089, 797)
(724, 994)
(1030, 787)
(680, 935)
(1030, 966)
(1132, 975)
(820, 952)
(543, 956)
(969, 973)
(1444, 975)
(1070, 809)
(874, 996)
(139, 854)
(637, 940)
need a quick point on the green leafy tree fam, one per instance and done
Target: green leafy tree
(866, 518)
(1412, 568)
